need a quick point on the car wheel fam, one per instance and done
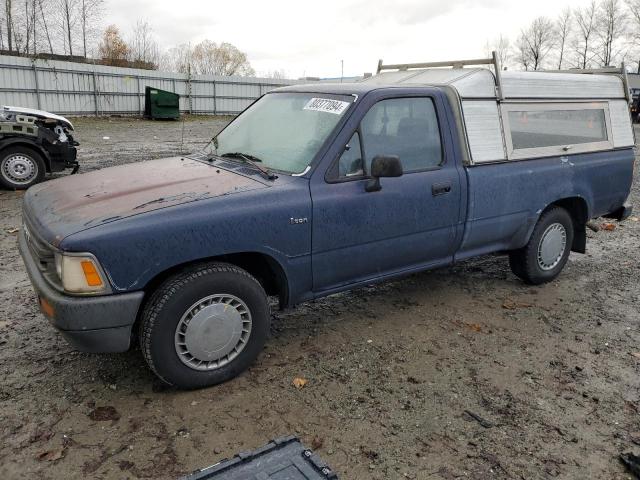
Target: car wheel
(545, 255)
(204, 326)
(20, 168)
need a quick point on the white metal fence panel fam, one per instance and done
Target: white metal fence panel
(84, 89)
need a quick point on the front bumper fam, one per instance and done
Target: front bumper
(63, 156)
(100, 324)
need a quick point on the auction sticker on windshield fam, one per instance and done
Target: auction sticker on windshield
(326, 105)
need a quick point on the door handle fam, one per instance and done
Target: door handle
(440, 188)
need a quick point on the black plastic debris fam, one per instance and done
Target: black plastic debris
(632, 462)
(485, 423)
(281, 459)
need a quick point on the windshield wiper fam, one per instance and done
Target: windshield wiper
(253, 161)
(246, 156)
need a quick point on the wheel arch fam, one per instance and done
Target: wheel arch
(580, 213)
(23, 142)
(266, 269)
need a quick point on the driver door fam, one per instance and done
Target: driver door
(411, 223)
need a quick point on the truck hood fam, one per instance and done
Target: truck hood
(68, 205)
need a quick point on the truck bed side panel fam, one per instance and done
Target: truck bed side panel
(506, 199)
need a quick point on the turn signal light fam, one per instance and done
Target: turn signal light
(91, 274)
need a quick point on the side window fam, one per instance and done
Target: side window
(554, 129)
(350, 163)
(406, 127)
(531, 129)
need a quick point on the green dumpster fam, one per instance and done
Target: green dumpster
(161, 104)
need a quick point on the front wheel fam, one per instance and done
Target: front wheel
(20, 167)
(543, 258)
(204, 326)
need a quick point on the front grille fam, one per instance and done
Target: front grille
(44, 256)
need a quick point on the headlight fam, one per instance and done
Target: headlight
(80, 273)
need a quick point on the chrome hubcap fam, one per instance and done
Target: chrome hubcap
(19, 168)
(552, 246)
(212, 332)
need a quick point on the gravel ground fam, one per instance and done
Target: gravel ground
(550, 373)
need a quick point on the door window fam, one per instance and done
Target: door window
(406, 127)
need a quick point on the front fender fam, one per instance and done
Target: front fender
(135, 250)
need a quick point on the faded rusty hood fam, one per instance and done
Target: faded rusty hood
(64, 206)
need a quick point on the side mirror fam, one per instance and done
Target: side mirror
(383, 166)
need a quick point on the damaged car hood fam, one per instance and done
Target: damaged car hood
(39, 114)
(61, 207)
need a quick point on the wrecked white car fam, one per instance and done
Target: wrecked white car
(32, 144)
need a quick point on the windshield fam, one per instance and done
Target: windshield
(283, 131)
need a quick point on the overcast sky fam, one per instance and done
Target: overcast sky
(311, 38)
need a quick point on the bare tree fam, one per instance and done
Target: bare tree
(585, 34)
(522, 53)
(8, 15)
(88, 13)
(45, 26)
(611, 21)
(67, 20)
(634, 11)
(535, 43)
(28, 26)
(33, 12)
(144, 47)
(500, 45)
(20, 27)
(176, 59)
(634, 17)
(564, 24)
(21, 16)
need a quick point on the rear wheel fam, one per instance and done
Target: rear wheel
(20, 167)
(204, 326)
(543, 258)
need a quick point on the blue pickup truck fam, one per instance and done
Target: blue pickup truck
(317, 189)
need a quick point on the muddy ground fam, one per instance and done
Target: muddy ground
(551, 372)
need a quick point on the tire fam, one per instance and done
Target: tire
(20, 167)
(543, 258)
(204, 326)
